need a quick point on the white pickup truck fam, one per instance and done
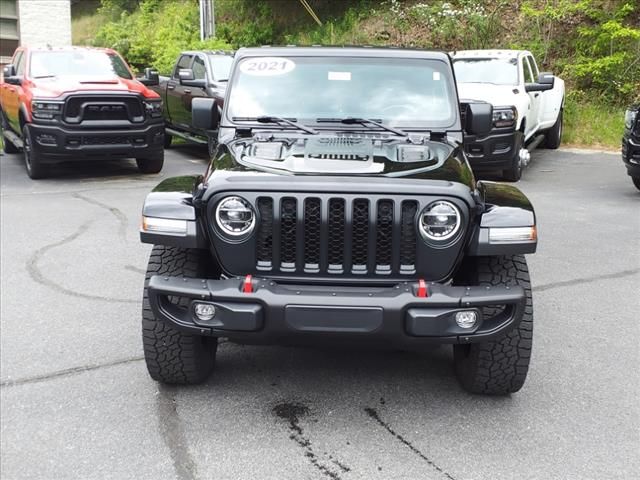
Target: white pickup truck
(527, 107)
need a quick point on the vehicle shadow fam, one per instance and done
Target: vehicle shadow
(309, 372)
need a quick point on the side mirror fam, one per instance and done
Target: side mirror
(546, 81)
(478, 118)
(204, 113)
(9, 74)
(185, 74)
(187, 79)
(9, 70)
(150, 78)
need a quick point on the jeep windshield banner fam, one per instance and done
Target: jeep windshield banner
(398, 91)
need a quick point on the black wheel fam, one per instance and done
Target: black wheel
(32, 160)
(8, 147)
(514, 172)
(173, 356)
(636, 182)
(151, 164)
(498, 367)
(167, 140)
(553, 137)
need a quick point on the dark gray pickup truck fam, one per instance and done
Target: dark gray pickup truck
(195, 74)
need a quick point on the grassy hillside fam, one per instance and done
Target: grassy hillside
(593, 44)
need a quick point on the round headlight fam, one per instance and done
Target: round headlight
(439, 221)
(235, 216)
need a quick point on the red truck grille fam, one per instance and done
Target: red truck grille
(83, 108)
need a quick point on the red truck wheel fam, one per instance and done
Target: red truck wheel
(151, 164)
(32, 161)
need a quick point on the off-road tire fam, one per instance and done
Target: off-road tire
(172, 356)
(497, 367)
(636, 182)
(8, 147)
(553, 137)
(32, 160)
(514, 172)
(151, 164)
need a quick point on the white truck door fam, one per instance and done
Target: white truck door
(535, 99)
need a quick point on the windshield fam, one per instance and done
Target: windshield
(400, 91)
(500, 71)
(77, 63)
(221, 66)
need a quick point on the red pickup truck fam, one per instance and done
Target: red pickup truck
(76, 103)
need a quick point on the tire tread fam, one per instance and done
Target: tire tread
(173, 356)
(499, 367)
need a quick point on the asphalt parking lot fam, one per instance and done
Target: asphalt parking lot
(76, 400)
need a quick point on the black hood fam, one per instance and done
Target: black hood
(345, 155)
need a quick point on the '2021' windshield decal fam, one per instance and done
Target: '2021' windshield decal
(267, 66)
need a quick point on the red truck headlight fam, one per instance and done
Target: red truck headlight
(45, 109)
(153, 108)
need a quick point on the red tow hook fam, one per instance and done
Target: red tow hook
(422, 289)
(247, 285)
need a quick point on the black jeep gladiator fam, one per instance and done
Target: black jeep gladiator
(196, 74)
(340, 209)
(631, 144)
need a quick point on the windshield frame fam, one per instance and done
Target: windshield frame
(107, 53)
(517, 66)
(413, 126)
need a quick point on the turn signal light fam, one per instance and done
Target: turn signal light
(164, 225)
(513, 234)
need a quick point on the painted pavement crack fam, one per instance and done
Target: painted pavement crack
(121, 217)
(34, 270)
(374, 415)
(67, 372)
(580, 281)
(173, 434)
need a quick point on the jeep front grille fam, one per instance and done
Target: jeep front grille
(355, 236)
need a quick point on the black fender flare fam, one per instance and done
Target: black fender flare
(173, 200)
(505, 207)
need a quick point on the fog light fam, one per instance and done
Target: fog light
(204, 311)
(46, 139)
(466, 319)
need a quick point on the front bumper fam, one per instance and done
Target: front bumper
(394, 315)
(631, 156)
(495, 151)
(56, 142)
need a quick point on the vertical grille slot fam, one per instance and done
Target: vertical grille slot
(384, 236)
(360, 235)
(312, 222)
(264, 246)
(408, 237)
(288, 230)
(336, 226)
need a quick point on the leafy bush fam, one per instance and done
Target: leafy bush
(156, 33)
(593, 42)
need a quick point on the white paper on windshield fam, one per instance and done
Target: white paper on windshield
(436, 76)
(267, 66)
(343, 76)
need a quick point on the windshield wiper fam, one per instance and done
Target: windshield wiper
(44, 76)
(271, 119)
(362, 121)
